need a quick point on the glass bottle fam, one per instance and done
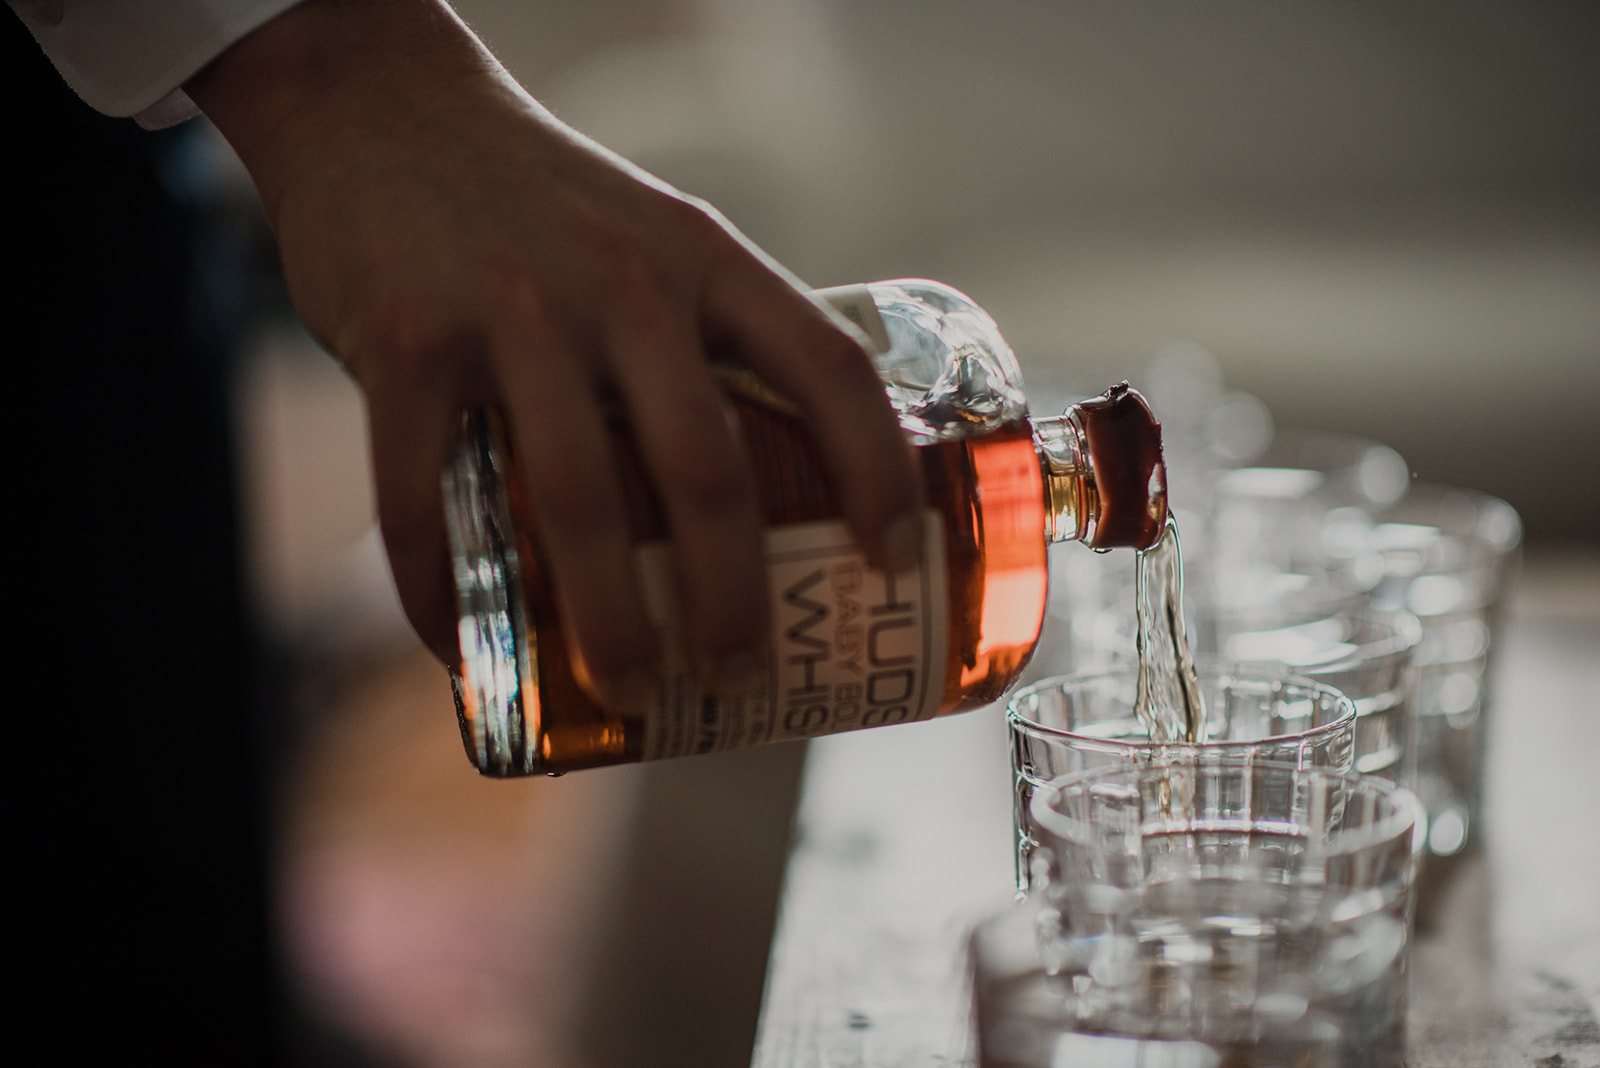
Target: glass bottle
(850, 646)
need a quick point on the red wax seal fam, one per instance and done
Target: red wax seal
(1130, 475)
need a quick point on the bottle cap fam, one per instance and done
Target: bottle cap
(1130, 476)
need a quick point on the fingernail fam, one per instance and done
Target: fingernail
(902, 543)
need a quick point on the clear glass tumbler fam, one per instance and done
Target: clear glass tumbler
(1367, 655)
(1449, 556)
(1075, 722)
(1207, 913)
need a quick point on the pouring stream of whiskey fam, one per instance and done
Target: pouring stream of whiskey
(1168, 698)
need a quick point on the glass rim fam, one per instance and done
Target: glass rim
(1334, 456)
(1497, 542)
(1345, 720)
(1405, 635)
(1407, 809)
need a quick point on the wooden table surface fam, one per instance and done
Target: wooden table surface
(903, 843)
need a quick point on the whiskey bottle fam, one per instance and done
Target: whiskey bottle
(850, 646)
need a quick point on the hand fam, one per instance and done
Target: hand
(454, 245)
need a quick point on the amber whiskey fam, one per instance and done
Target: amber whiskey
(851, 647)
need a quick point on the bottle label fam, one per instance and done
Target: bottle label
(856, 304)
(851, 646)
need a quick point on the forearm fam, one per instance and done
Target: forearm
(287, 93)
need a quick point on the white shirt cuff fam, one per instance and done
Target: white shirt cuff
(170, 110)
(131, 57)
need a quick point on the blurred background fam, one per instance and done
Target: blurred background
(1378, 220)
(1374, 218)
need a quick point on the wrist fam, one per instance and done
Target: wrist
(289, 94)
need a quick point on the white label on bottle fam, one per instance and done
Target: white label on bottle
(850, 646)
(856, 304)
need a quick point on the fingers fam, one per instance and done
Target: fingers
(801, 351)
(697, 464)
(569, 470)
(567, 460)
(412, 423)
(544, 345)
(693, 460)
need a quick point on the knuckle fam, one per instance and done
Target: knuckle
(696, 215)
(397, 343)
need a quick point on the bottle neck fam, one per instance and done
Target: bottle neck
(1070, 500)
(1105, 479)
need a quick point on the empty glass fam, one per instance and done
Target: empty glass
(1365, 655)
(1448, 557)
(1253, 552)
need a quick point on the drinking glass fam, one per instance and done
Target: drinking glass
(1253, 551)
(1270, 513)
(1448, 557)
(1071, 723)
(1203, 913)
(1367, 655)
